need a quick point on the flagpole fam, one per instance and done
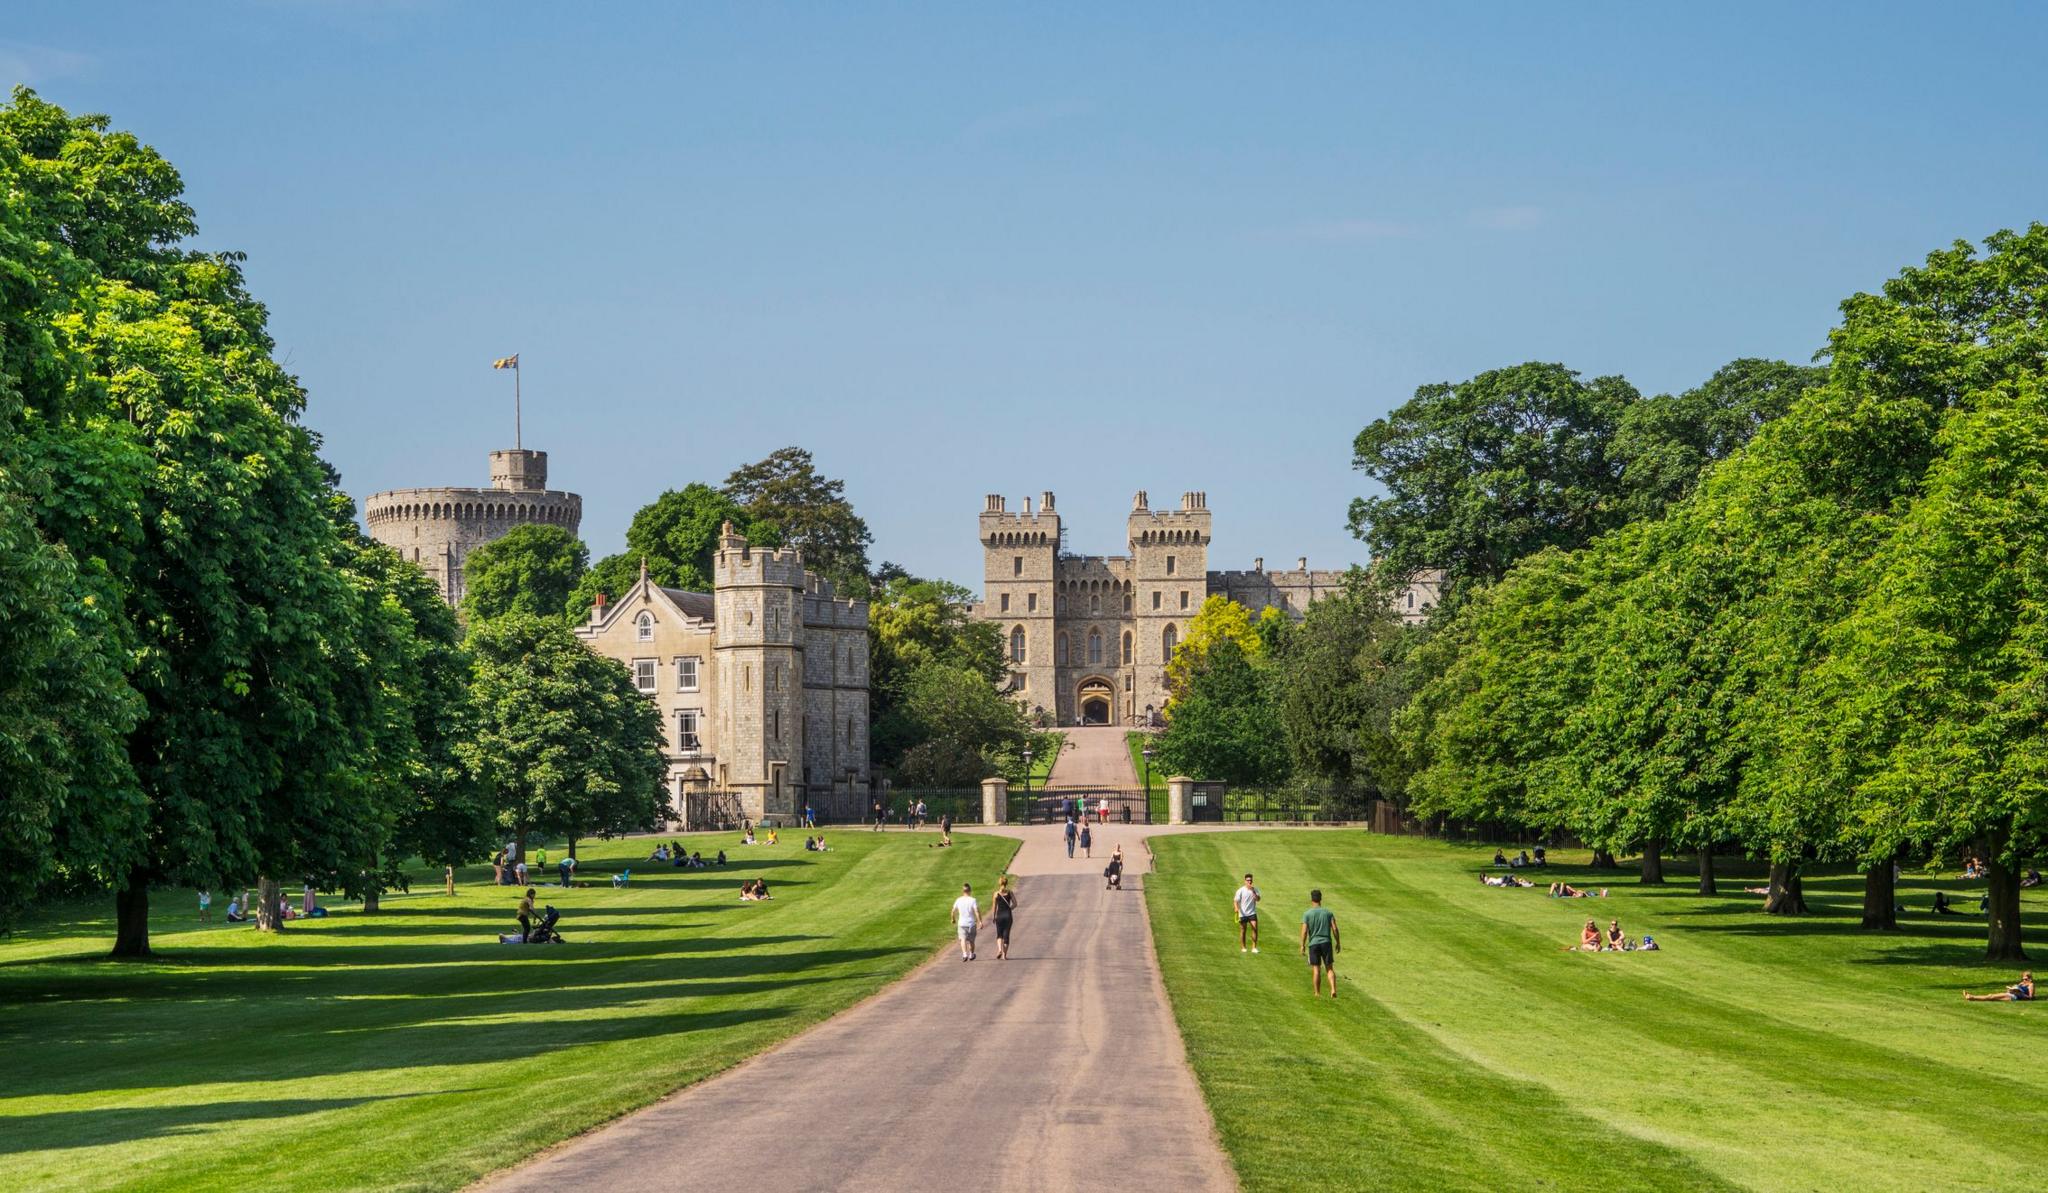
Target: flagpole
(516, 445)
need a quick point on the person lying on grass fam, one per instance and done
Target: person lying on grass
(1565, 890)
(2020, 991)
(1504, 880)
(2032, 879)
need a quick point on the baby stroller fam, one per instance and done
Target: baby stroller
(1113, 874)
(541, 933)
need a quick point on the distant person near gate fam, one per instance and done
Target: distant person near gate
(1072, 831)
(1246, 900)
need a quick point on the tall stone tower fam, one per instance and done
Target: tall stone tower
(1019, 553)
(1170, 580)
(437, 528)
(760, 667)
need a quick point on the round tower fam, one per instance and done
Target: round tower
(436, 528)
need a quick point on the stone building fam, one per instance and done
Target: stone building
(1088, 636)
(762, 685)
(437, 528)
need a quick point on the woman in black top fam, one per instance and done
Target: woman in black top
(1005, 907)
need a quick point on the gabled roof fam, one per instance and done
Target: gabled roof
(697, 604)
(692, 606)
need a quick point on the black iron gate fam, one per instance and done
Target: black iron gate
(1097, 804)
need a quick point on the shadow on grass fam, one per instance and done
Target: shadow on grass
(84, 1128)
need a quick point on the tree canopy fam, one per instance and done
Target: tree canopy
(788, 500)
(531, 569)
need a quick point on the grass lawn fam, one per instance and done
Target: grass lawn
(1466, 1050)
(408, 1050)
(1157, 799)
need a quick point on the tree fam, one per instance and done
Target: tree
(531, 570)
(785, 495)
(564, 740)
(1222, 725)
(1343, 673)
(967, 730)
(915, 626)
(675, 536)
(1664, 443)
(1220, 619)
(173, 468)
(1481, 473)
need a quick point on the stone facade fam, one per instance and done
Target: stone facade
(437, 528)
(762, 683)
(1089, 637)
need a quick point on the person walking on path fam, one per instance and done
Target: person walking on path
(1004, 907)
(945, 828)
(1087, 840)
(1319, 941)
(1246, 900)
(966, 917)
(878, 817)
(1071, 830)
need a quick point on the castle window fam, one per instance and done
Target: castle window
(643, 675)
(1062, 651)
(686, 673)
(1155, 599)
(686, 729)
(1411, 600)
(1168, 639)
(1127, 601)
(1169, 565)
(1020, 677)
(1094, 646)
(1094, 604)
(1030, 602)
(646, 626)
(1017, 645)
(774, 677)
(1183, 598)
(775, 724)
(1016, 565)
(1060, 603)
(1006, 602)
(849, 731)
(1127, 648)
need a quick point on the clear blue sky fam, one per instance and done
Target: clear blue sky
(956, 249)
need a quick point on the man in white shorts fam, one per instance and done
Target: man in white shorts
(966, 915)
(1246, 900)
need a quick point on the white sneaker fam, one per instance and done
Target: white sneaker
(1255, 948)
(1241, 948)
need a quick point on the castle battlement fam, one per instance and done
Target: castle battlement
(736, 563)
(437, 526)
(1001, 528)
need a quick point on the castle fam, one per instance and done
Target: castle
(437, 528)
(1088, 636)
(762, 685)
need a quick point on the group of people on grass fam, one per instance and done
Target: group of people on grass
(1521, 860)
(682, 859)
(1614, 940)
(1319, 941)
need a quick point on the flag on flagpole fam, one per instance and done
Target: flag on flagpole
(506, 362)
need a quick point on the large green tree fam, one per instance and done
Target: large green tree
(171, 465)
(1483, 472)
(532, 570)
(1343, 674)
(564, 740)
(916, 627)
(1222, 726)
(786, 495)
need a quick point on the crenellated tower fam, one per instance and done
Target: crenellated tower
(758, 595)
(1020, 552)
(1170, 580)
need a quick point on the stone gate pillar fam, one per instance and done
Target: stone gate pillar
(995, 800)
(1178, 790)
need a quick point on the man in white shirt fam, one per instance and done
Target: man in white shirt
(966, 915)
(1246, 900)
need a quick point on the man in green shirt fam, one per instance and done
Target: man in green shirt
(1319, 940)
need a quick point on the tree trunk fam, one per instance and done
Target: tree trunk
(131, 917)
(1880, 898)
(1653, 863)
(1707, 886)
(269, 895)
(1787, 896)
(572, 845)
(1604, 860)
(370, 904)
(2004, 890)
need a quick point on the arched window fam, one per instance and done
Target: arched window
(1127, 600)
(1094, 603)
(646, 624)
(1060, 655)
(1017, 645)
(1094, 647)
(1127, 648)
(1168, 639)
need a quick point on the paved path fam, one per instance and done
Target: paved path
(1095, 756)
(1057, 1069)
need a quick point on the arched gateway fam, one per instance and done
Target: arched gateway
(1097, 701)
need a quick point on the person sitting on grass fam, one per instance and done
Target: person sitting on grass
(810, 845)
(2020, 991)
(720, 859)
(1499, 858)
(1589, 939)
(2032, 879)
(621, 878)
(1649, 944)
(747, 836)
(1616, 942)
(771, 834)
(1942, 906)
(236, 915)
(660, 854)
